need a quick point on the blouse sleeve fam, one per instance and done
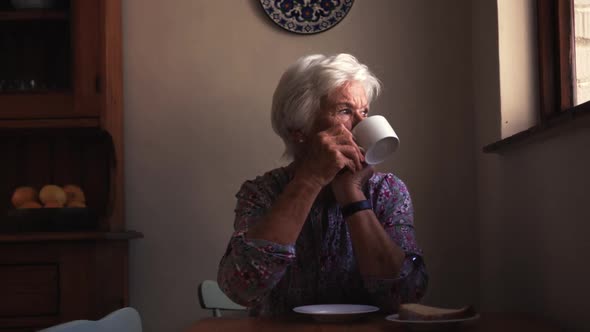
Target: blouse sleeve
(250, 268)
(393, 207)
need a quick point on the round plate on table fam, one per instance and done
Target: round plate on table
(336, 312)
(433, 325)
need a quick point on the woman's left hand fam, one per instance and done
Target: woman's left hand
(347, 186)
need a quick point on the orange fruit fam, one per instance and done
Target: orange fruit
(54, 193)
(76, 204)
(74, 193)
(23, 195)
(30, 205)
(53, 204)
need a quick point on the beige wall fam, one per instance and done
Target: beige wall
(532, 198)
(199, 76)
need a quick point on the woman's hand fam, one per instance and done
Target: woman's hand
(328, 152)
(348, 186)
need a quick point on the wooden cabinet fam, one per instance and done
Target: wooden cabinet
(50, 64)
(46, 279)
(61, 121)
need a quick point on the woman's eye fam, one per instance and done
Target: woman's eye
(365, 113)
(346, 111)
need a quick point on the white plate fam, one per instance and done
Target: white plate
(336, 312)
(432, 325)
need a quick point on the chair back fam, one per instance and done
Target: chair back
(122, 320)
(212, 297)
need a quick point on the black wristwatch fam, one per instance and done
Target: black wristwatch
(352, 208)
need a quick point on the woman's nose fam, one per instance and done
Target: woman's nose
(358, 117)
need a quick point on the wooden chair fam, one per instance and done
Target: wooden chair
(212, 297)
(122, 320)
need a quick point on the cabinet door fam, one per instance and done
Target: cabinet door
(51, 65)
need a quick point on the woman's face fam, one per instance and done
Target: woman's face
(347, 105)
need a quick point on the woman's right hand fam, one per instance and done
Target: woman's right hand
(328, 152)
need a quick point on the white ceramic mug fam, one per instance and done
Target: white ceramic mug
(377, 138)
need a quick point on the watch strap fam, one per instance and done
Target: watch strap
(352, 208)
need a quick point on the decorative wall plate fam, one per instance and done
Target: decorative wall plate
(306, 16)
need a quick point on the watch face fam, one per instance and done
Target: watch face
(306, 16)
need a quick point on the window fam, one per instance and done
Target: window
(564, 56)
(582, 51)
(563, 41)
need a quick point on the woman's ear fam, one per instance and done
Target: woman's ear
(297, 136)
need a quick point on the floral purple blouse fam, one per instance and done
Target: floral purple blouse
(320, 268)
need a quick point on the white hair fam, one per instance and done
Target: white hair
(296, 99)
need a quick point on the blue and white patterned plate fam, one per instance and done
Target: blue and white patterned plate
(306, 16)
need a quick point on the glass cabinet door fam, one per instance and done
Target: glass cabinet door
(49, 61)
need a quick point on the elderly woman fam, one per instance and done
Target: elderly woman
(326, 228)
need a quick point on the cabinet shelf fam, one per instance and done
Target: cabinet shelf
(34, 92)
(50, 123)
(33, 15)
(43, 105)
(68, 236)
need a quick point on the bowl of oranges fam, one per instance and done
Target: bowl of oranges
(52, 208)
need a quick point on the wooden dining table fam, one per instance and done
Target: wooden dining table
(487, 322)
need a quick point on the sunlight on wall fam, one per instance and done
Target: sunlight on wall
(518, 65)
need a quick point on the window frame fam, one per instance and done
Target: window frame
(556, 55)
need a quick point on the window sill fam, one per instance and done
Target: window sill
(572, 119)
